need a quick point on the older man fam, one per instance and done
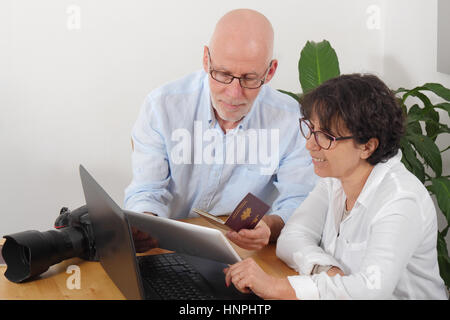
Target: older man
(206, 140)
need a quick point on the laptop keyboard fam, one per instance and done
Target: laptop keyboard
(172, 278)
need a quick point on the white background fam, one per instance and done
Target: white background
(71, 96)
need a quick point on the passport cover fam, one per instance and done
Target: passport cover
(246, 215)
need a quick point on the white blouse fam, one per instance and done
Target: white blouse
(386, 246)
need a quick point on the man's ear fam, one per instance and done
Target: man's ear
(369, 148)
(205, 59)
(272, 70)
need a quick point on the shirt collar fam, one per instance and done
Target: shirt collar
(379, 171)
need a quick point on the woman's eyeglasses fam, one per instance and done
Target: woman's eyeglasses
(324, 140)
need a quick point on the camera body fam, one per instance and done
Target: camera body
(79, 220)
(30, 253)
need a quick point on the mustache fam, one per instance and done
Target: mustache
(234, 102)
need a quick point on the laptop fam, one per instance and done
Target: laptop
(170, 276)
(185, 237)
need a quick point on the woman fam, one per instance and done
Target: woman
(368, 229)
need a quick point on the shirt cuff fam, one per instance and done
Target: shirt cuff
(304, 287)
(283, 214)
(307, 262)
(146, 207)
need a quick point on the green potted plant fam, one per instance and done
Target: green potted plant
(422, 156)
(318, 63)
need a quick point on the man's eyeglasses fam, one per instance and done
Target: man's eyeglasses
(245, 81)
(324, 140)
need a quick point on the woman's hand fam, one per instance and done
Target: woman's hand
(334, 271)
(247, 276)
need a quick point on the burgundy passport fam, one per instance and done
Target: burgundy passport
(246, 215)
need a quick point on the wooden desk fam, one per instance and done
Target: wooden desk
(95, 283)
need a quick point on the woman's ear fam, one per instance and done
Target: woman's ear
(368, 148)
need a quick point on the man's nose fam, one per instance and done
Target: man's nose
(234, 89)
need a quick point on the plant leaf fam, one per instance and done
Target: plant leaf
(296, 96)
(441, 188)
(432, 123)
(443, 259)
(400, 90)
(443, 128)
(318, 63)
(428, 151)
(432, 129)
(401, 104)
(409, 155)
(444, 268)
(415, 113)
(438, 89)
(413, 127)
(416, 93)
(445, 106)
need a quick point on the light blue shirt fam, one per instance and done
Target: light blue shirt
(182, 159)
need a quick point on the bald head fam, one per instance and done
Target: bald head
(245, 31)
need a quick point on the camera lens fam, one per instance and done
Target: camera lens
(25, 255)
(31, 253)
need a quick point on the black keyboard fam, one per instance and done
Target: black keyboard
(172, 278)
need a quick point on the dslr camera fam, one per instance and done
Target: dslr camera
(30, 253)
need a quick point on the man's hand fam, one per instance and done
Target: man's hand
(253, 239)
(143, 241)
(267, 230)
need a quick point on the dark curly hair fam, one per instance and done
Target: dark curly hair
(364, 105)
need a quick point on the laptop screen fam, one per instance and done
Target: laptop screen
(113, 239)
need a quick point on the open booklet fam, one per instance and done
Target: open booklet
(246, 215)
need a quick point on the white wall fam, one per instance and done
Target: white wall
(71, 96)
(410, 56)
